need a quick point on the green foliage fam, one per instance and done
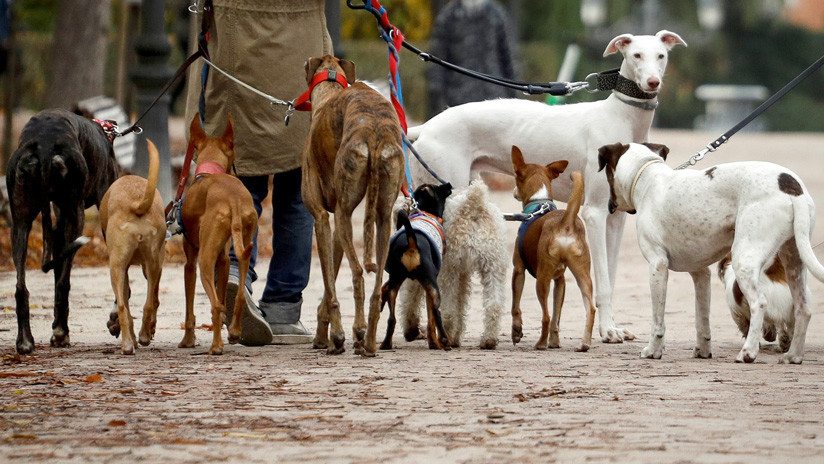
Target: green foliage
(36, 15)
(412, 17)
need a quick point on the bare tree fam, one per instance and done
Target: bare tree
(78, 52)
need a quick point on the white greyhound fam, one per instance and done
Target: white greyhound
(479, 136)
(689, 219)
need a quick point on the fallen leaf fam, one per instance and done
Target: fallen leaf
(117, 423)
(24, 436)
(93, 379)
(244, 435)
(17, 374)
(183, 441)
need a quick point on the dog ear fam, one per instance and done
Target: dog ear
(517, 159)
(670, 39)
(228, 136)
(618, 44)
(311, 66)
(348, 69)
(196, 134)
(556, 168)
(609, 153)
(662, 150)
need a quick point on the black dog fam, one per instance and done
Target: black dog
(64, 162)
(415, 254)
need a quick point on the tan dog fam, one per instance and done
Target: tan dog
(353, 150)
(216, 207)
(131, 214)
(547, 245)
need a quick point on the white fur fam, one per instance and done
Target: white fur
(478, 136)
(542, 194)
(779, 318)
(689, 219)
(475, 243)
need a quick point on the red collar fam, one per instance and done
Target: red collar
(209, 167)
(303, 102)
(109, 128)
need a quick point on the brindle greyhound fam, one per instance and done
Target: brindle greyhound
(353, 150)
(64, 163)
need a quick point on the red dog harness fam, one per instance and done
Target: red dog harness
(303, 102)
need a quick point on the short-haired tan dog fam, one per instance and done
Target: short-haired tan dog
(131, 214)
(216, 207)
(353, 151)
(549, 242)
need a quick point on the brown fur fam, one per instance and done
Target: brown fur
(217, 207)
(552, 244)
(131, 214)
(353, 151)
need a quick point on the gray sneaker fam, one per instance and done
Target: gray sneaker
(255, 331)
(284, 321)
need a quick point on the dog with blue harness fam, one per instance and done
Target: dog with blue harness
(549, 241)
(416, 252)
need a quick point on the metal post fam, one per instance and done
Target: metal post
(149, 77)
(333, 26)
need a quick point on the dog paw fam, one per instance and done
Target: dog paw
(541, 346)
(187, 342)
(790, 359)
(216, 350)
(332, 350)
(386, 346)
(487, 344)
(144, 339)
(517, 334)
(233, 338)
(704, 353)
(127, 349)
(368, 354)
(616, 335)
(651, 353)
(114, 324)
(25, 346)
(583, 348)
(60, 339)
(411, 334)
(745, 356)
(320, 343)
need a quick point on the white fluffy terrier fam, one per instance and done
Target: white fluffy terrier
(476, 242)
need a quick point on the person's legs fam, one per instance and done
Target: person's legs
(291, 257)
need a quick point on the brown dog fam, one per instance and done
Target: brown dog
(353, 150)
(547, 245)
(216, 207)
(131, 214)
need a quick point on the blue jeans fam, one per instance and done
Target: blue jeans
(292, 226)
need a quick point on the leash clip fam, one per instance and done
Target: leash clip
(592, 87)
(572, 87)
(289, 110)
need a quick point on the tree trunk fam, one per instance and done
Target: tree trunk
(79, 52)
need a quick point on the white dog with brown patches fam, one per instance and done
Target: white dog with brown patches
(478, 136)
(689, 219)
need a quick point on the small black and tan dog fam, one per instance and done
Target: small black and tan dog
(64, 164)
(416, 252)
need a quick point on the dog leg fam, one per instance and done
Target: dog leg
(518, 277)
(343, 232)
(493, 281)
(411, 297)
(20, 239)
(189, 278)
(703, 346)
(580, 269)
(329, 310)
(383, 228)
(658, 274)
(542, 289)
(595, 217)
(797, 281)
(207, 261)
(435, 333)
(71, 225)
(118, 268)
(615, 231)
(389, 293)
(557, 303)
(154, 269)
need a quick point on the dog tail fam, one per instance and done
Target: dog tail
(411, 258)
(575, 200)
(140, 208)
(802, 227)
(374, 157)
(237, 233)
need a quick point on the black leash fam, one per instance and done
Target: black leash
(552, 88)
(712, 146)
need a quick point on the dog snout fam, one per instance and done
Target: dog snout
(612, 206)
(653, 83)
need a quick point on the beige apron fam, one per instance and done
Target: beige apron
(265, 44)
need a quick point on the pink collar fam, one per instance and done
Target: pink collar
(209, 167)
